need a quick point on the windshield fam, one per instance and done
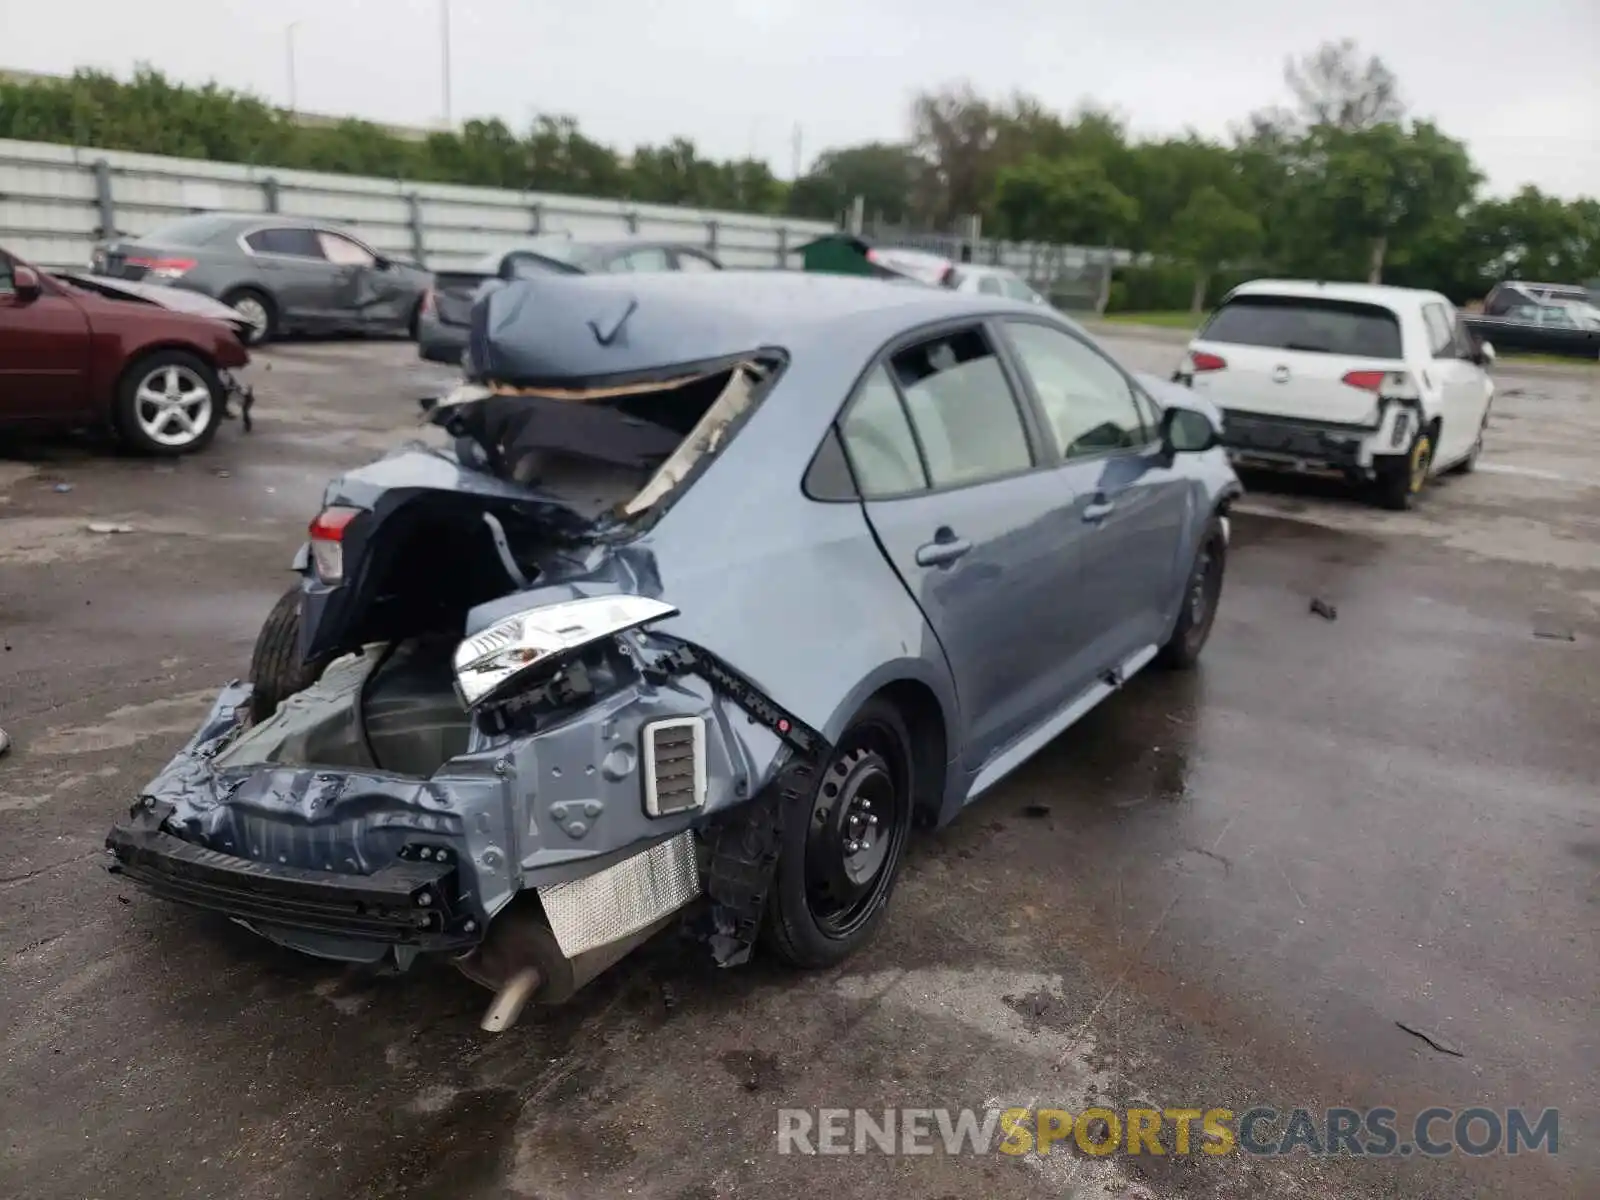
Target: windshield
(1309, 324)
(188, 231)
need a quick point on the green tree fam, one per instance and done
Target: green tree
(1369, 189)
(1061, 200)
(884, 174)
(1211, 231)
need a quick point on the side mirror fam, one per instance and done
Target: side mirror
(1184, 431)
(25, 284)
(1486, 353)
(382, 263)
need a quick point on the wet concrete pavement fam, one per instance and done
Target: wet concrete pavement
(1220, 890)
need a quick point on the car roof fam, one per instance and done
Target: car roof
(544, 241)
(985, 269)
(549, 325)
(1354, 293)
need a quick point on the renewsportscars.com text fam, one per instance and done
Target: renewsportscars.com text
(1371, 1132)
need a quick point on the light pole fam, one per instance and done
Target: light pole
(444, 29)
(288, 37)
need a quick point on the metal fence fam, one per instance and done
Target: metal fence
(56, 201)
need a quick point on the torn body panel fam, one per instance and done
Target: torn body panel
(523, 795)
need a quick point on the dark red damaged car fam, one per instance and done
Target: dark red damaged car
(153, 365)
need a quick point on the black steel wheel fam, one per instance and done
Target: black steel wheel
(276, 671)
(842, 855)
(1201, 593)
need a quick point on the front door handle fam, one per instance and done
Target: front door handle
(1098, 509)
(945, 548)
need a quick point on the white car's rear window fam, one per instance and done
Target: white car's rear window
(1306, 323)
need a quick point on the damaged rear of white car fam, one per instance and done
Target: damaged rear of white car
(630, 652)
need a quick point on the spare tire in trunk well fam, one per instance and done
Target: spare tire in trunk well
(276, 671)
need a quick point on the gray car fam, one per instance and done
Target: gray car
(282, 274)
(726, 582)
(442, 325)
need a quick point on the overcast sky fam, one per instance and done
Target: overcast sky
(1519, 80)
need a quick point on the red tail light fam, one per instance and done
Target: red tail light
(1201, 361)
(327, 538)
(330, 523)
(163, 268)
(1367, 381)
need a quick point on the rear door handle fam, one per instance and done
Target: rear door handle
(1098, 509)
(945, 548)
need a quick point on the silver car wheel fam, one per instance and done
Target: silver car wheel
(255, 312)
(172, 405)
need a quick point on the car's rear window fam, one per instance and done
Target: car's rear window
(189, 231)
(1306, 323)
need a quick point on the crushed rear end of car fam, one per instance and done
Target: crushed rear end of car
(502, 755)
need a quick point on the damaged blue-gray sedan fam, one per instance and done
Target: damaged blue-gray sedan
(726, 582)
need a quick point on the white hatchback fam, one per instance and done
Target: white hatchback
(1382, 385)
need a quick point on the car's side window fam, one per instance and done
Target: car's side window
(7, 287)
(1441, 331)
(653, 259)
(1018, 290)
(990, 286)
(343, 252)
(962, 408)
(878, 441)
(1088, 403)
(295, 243)
(688, 260)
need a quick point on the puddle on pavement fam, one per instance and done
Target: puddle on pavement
(444, 1151)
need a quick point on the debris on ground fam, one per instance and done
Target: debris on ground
(1443, 1047)
(1552, 628)
(109, 527)
(1036, 810)
(63, 488)
(222, 473)
(5, 740)
(1323, 609)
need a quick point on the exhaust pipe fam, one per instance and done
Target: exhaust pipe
(521, 963)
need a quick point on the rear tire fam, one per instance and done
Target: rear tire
(1201, 593)
(1401, 478)
(276, 671)
(257, 307)
(827, 900)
